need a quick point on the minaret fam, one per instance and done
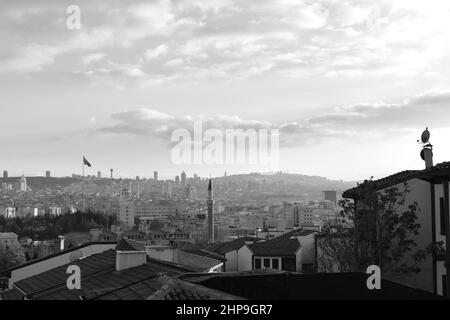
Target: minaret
(210, 203)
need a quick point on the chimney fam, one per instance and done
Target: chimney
(163, 252)
(127, 256)
(428, 157)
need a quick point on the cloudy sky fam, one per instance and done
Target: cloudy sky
(349, 84)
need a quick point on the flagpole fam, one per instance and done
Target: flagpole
(84, 203)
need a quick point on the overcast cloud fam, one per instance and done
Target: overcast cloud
(341, 75)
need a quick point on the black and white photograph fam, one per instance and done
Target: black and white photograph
(224, 155)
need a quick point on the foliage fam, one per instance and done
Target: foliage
(8, 259)
(48, 227)
(383, 233)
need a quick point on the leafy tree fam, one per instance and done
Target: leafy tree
(9, 259)
(49, 227)
(383, 233)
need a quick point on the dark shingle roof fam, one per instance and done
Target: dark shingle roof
(137, 291)
(278, 248)
(225, 247)
(128, 245)
(206, 253)
(284, 245)
(294, 233)
(52, 278)
(163, 287)
(441, 169)
(175, 289)
(196, 262)
(386, 182)
(98, 277)
(7, 273)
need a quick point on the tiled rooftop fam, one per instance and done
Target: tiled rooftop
(98, 277)
(197, 262)
(222, 248)
(385, 182)
(441, 169)
(276, 247)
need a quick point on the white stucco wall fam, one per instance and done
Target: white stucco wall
(244, 256)
(231, 265)
(299, 260)
(308, 248)
(239, 260)
(164, 253)
(421, 193)
(438, 194)
(440, 271)
(129, 259)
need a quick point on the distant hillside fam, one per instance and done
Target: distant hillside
(289, 183)
(312, 186)
(41, 183)
(290, 178)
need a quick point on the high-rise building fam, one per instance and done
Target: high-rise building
(48, 174)
(99, 174)
(210, 204)
(167, 189)
(155, 175)
(183, 178)
(5, 174)
(126, 214)
(330, 196)
(177, 179)
(190, 192)
(138, 192)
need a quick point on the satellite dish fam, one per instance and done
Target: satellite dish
(425, 136)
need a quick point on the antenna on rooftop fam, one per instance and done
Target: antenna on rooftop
(427, 148)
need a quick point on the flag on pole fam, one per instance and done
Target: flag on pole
(86, 163)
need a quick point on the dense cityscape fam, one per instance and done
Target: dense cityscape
(252, 204)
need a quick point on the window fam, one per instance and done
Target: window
(257, 263)
(442, 215)
(275, 264)
(266, 263)
(288, 264)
